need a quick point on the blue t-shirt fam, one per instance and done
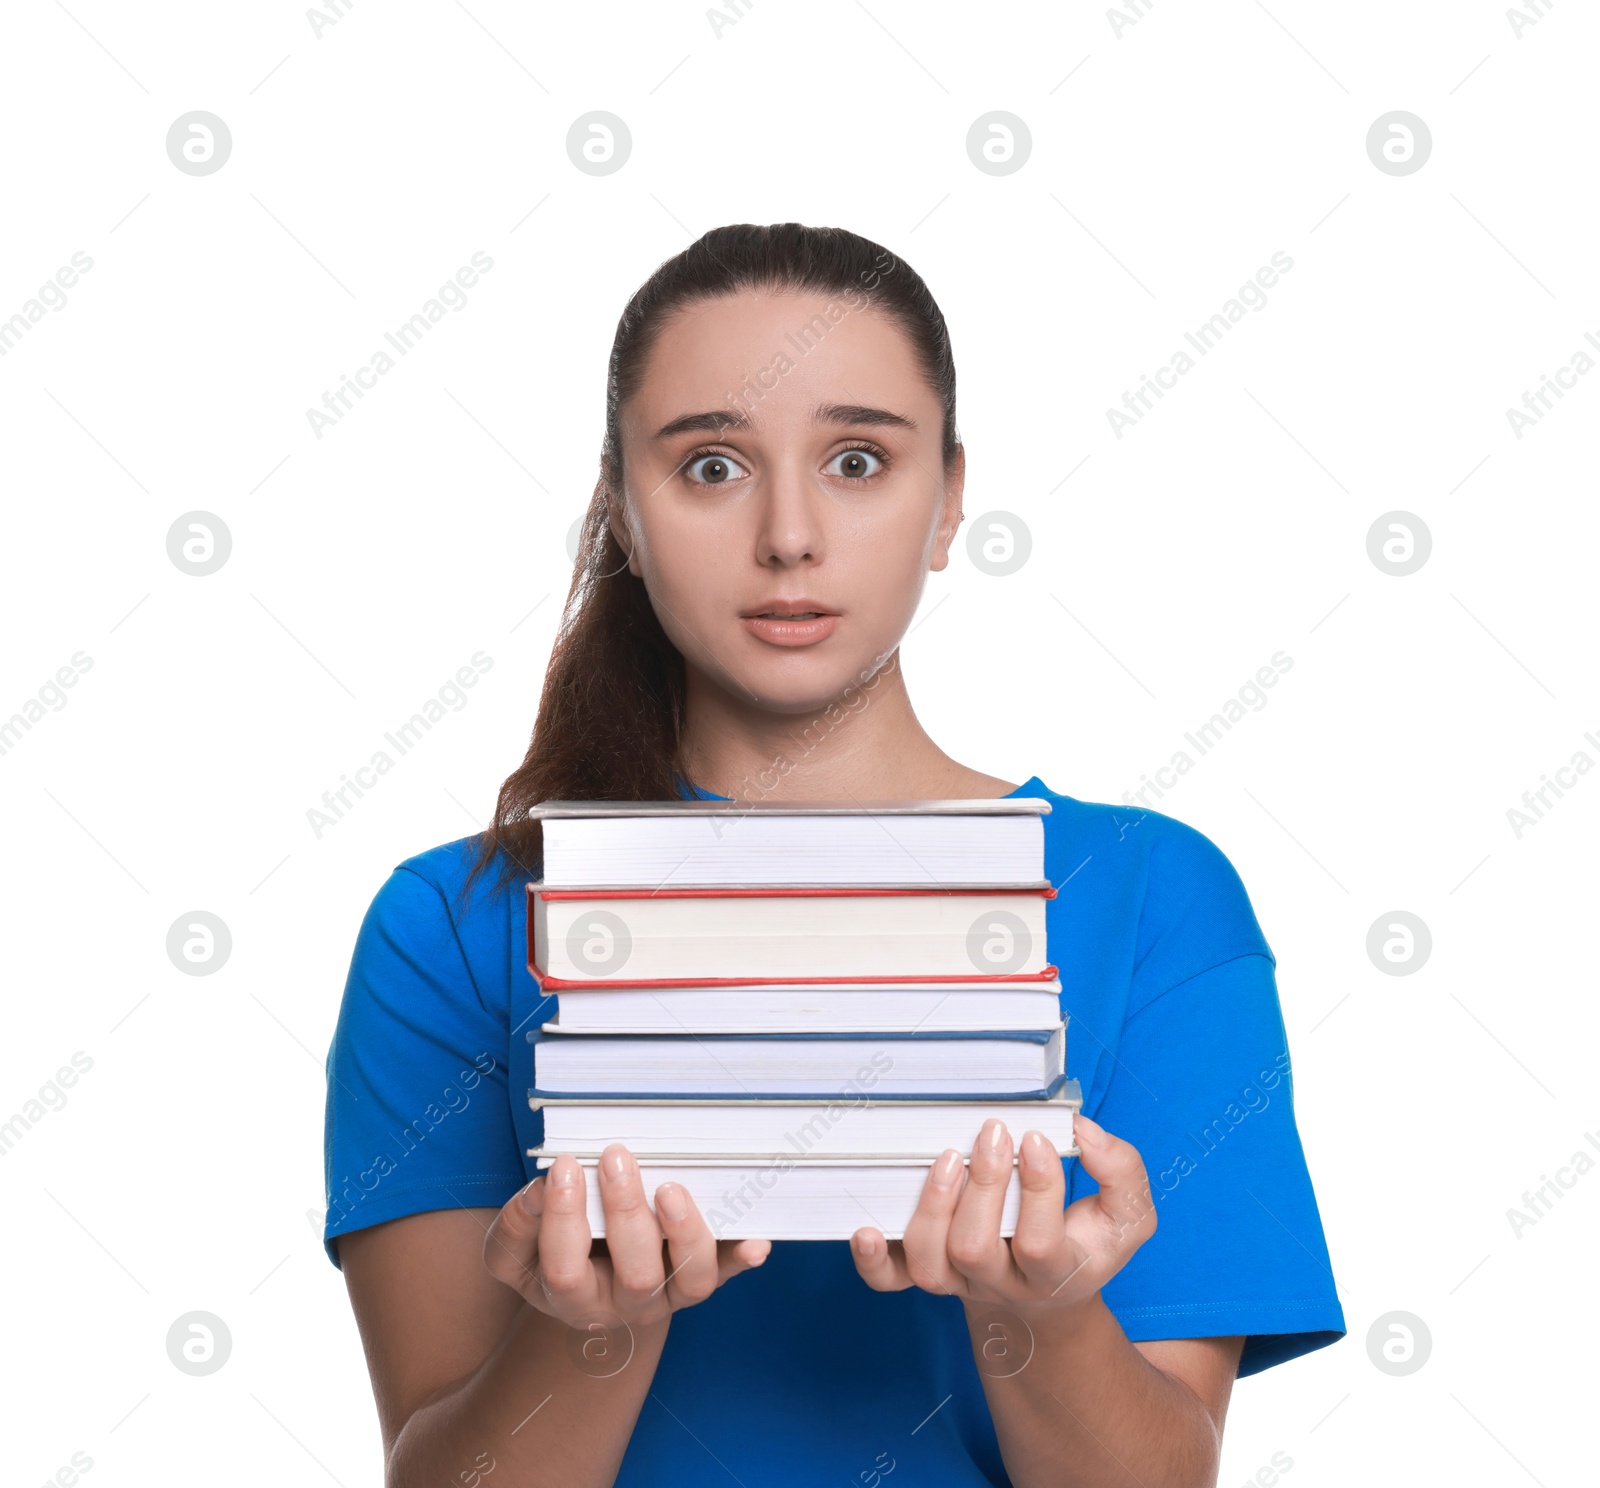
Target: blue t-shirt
(798, 1372)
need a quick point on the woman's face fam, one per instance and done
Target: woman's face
(786, 492)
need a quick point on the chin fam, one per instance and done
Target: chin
(797, 684)
(793, 697)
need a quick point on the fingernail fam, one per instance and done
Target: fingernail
(1088, 1133)
(868, 1246)
(669, 1199)
(994, 1131)
(564, 1175)
(531, 1199)
(946, 1168)
(1035, 1156)
(616, 1163)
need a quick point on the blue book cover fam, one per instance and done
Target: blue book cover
(1037, 1036)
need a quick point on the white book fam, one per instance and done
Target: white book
(985, 1063)
(792, 1199)
(657, 844)
(801, 1007)
(635, 937)
(851, 1126)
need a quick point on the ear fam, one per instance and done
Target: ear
(619, 530)
(955, 482)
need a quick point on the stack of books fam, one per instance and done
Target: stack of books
(793, 1009)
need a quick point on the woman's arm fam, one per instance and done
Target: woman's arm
(511, 1342)
(1091, 1408)
(1072, 1399)
(468, 1377)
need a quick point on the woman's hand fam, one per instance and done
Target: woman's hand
(540, 1245)
(1057, 1257)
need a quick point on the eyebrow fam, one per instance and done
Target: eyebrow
(718, 419)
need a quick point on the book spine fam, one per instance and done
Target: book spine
(792, 891)
(567, 984)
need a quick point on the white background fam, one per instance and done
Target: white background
(1169, 162)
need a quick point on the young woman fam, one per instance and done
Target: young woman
(779, 475)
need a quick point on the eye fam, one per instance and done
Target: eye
(712, 469)
(856, 464)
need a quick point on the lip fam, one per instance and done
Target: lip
(766, 621)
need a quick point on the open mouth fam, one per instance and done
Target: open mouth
(792, 622)
(800, 608)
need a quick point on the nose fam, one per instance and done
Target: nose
(790, 531)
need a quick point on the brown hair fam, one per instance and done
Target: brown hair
(611, 712)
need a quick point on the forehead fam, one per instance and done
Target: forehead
(797, 349)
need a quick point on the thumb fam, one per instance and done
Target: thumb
(1124, 1200)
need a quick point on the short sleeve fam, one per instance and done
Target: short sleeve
(1196, 914)
(418, 1109)
(1201, 1085)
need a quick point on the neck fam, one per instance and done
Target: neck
(867, 744)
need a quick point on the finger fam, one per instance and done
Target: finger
(697, 1262)
(1039, 1245)
(927, 1237)
(881, 1265)
(566, 1241)
(691, 1273)
(511, 1246)
(633, 1239)
(1124, 1204)
(734, 1256)
(975, 1246)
